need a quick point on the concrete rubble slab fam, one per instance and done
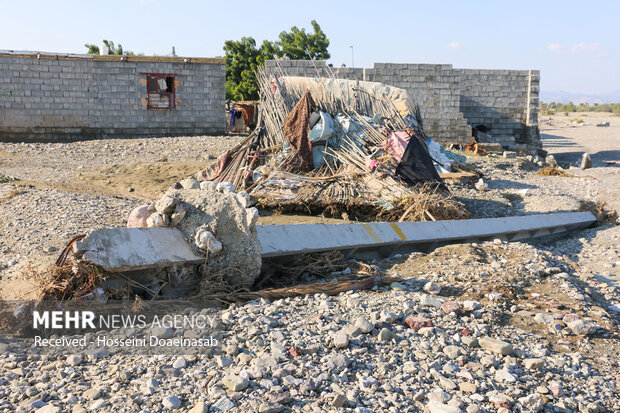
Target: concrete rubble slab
(129, 249)
(281, 240)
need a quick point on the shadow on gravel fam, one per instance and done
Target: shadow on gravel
(487, 208)
(508, 184)
(570, 245)
(599, 159)
(556, 141)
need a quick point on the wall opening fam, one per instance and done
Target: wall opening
(160, 90)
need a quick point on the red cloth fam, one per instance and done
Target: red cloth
(296, 128)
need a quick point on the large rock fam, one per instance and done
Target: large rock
(137, 217)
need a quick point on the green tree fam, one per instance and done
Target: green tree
(92, 48)
(299, 45)
(243, 58)
(112, 49)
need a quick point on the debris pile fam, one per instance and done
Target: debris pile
(219, 224)
(188, 242)
(343, 148)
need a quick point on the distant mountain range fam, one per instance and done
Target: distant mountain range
(578, 98)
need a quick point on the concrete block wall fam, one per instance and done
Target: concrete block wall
(452, 100)
(51, 99)
(505, 100)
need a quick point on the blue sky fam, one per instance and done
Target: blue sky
(575, 45)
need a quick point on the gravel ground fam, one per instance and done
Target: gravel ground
(471, 327)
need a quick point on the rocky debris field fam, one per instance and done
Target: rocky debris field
(472, 327)
(491, 327)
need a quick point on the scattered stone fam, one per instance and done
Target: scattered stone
(435, 406)
(200, 407)
(532, 403)
(180, 363)
(452, 351)
(178, 215)
(339, 401)
(505, 375)
(470, 341)
(534, 363)
(223, 405)
(452, 307)
(581, 327)
(364, 325)
(74, 359)
(386, 335)
(416, 322)
(162, 332)
(171, 402)
(550, 160)
(470, 305)
(341, 340)
(428, 301)
(432, 288)
(496, 346)
(468, 387)
(235, 383)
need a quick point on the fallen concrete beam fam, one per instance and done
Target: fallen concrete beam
(129, 249)
(281, 240)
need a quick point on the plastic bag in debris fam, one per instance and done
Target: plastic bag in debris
(442, 157)
(354, 130)
(260, 173)
(385, 204)
(323, 129)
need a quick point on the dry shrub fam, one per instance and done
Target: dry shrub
(284, 271)
(318, 264)
(549, 171)
(68, 282)
(603, 214)
(427, 204)
(5, 178)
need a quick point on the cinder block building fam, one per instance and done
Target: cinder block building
(452, 101)
(61, 97)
